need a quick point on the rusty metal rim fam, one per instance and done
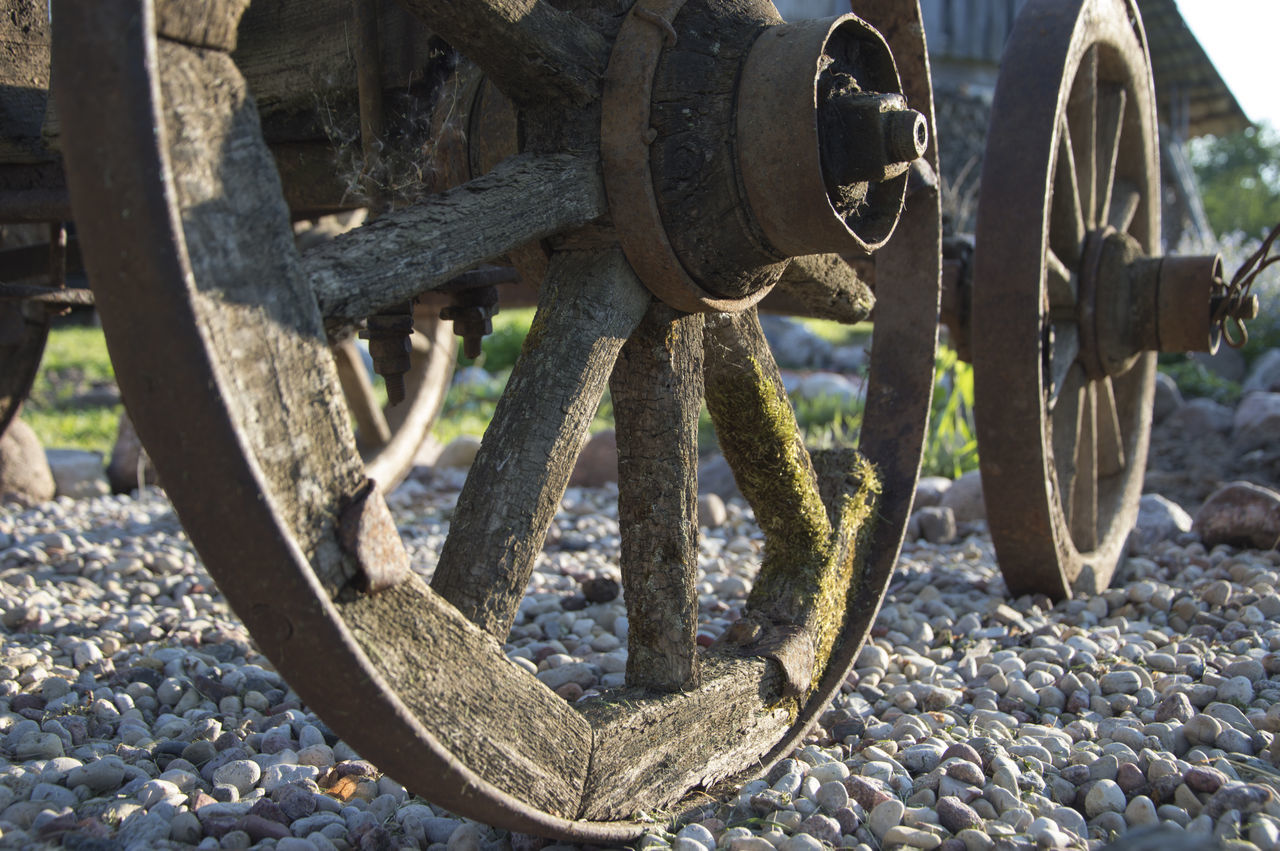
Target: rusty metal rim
(1013, 414)
(135, 250)
(625, 136)
(900, 386)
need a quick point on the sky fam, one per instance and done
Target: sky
(1240, 38)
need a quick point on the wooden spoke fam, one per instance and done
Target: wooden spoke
(372, 430)
(1125, 199)
(1062, 284)
(410, 251)
(1063, 351)
(1111, 458)
(824, 286)
(589, 305)
(1083, 511)
(810, 521)
(768, 456)
(1066, 215)
(533, 51)
(657, 394)
(1111, 106)
(1082, 117)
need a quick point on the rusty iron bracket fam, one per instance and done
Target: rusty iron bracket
(789, 645)
(367, 532)
(625, 137)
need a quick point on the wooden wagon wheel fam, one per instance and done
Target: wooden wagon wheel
(1071, 177)
(389, 436)
(235, 397)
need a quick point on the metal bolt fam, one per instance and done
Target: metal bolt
(906, 135)
(869, 137)
(1244, 309)
(389, 346)
(472, 313)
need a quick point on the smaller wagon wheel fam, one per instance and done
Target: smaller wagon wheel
(1062, 400)
(190, 239)
(389, 437)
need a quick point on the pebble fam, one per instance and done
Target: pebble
(967, 720)
(1105, 796)
(887, 814)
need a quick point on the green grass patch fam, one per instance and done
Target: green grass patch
(1195, 380)
(93, 428)
(500, 349)
(58, 410)
(951, 445)
(838, 333)
(76, 362)
(74, 355)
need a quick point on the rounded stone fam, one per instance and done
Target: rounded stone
(1120, 682)
(955, 815)
(1106, 796)
(1236, 690)
(240, 774)
(832, 796)
(886, 815)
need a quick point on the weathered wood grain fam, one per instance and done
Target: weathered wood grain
(299, 59)
(24, 81)
(496, 718)
(589, 305)
(694, 158)
(656, 390)
(209, 23)
(533, 51)
(824, 286)
(414, 249)
(650, 750)
(282, 385)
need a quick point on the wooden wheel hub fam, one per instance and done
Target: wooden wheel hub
(799, 146)
(1131, 303)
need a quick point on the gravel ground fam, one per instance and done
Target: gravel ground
(135, 713)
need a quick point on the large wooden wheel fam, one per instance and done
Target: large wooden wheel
(1062, 401)
(217, 330)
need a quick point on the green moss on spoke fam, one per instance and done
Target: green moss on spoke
(851, 488)
(759, 437)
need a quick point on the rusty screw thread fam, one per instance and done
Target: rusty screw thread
(389, 346)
